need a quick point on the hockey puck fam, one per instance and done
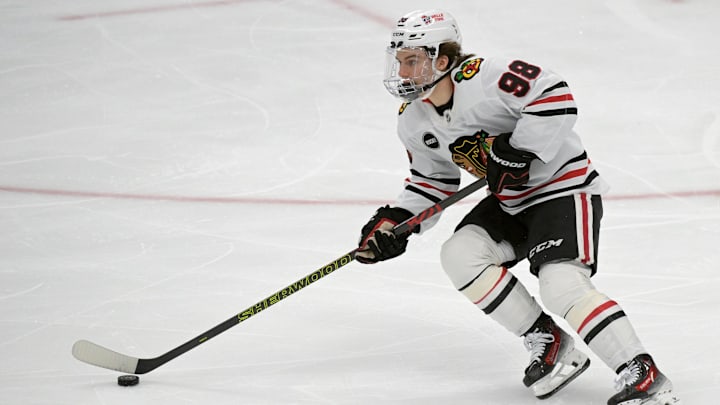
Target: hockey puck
(128, 380)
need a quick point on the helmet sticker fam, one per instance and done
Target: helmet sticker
(429, 19)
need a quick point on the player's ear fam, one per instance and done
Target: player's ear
(442, 63)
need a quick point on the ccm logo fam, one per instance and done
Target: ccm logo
(507, 163)
(545, 245)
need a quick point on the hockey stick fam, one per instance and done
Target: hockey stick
(100, 356)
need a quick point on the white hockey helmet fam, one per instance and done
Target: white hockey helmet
(421, 31)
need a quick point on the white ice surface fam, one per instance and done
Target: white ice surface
(166, 164)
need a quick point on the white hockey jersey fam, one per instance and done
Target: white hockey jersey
(491, 97)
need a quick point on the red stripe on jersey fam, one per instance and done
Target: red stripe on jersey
(564, 97)
(569, 175)
(595, 313)
(585, 229)
(426, 185)
(502, 276)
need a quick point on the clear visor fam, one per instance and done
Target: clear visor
(408, 72)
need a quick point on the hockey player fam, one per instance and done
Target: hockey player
(511, 122)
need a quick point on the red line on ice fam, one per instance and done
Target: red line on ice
(293, 201)
(364, 12)
(150, 9)
(356, 9)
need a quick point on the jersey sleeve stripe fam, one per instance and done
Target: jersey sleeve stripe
(555, 87)
(550, 113)
(569, 175)
(451, 181)
(430, 186)
(559, 191)
(566, 176)
(578, 158)
(552, 99)
(429, 196)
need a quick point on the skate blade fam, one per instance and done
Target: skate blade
(665, 397)
(662, 398)
(574, 364)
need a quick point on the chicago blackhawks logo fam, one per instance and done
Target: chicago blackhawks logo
(471, 153)
(468, 69)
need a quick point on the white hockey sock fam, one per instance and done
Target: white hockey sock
(604, 327)
(498, 293)
(471, 259)
(567, 291)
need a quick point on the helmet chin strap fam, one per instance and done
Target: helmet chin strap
(428, 89)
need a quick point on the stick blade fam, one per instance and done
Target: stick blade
(91, 353)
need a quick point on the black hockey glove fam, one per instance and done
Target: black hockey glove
(507, 166)
(377, 242)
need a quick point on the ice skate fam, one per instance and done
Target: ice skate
(554, 361)
(641, 383)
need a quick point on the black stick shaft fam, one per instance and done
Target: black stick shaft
(146, 365)
(411, 223)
